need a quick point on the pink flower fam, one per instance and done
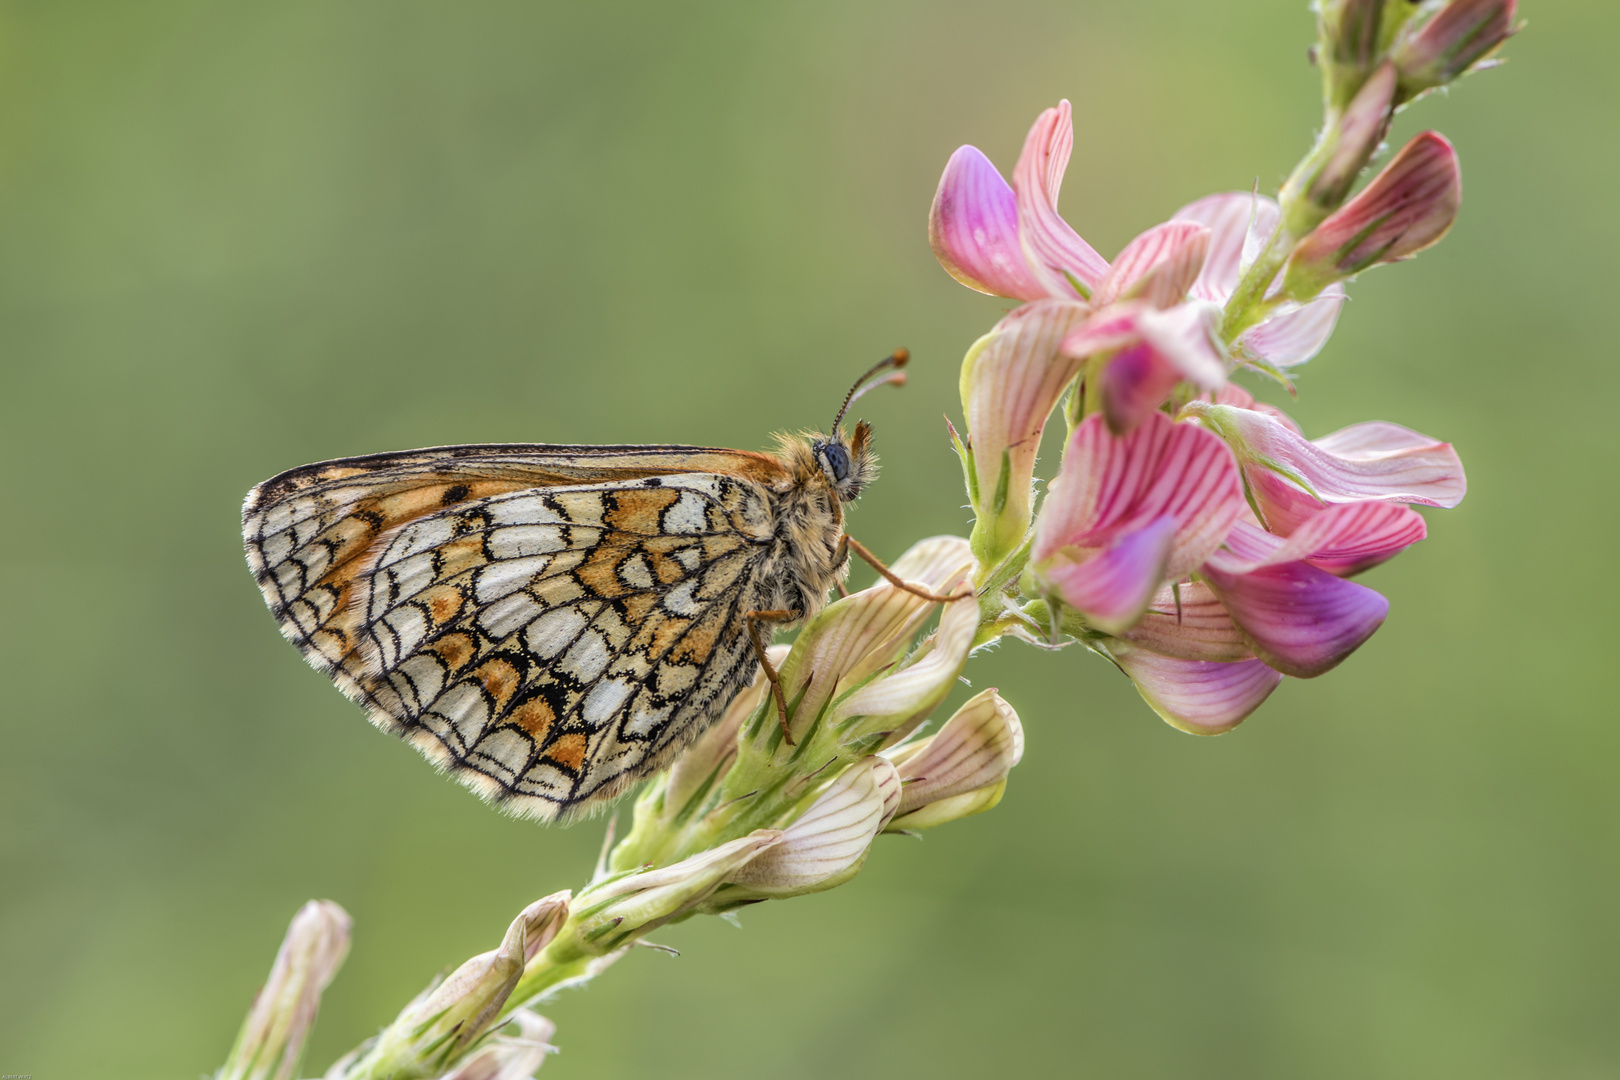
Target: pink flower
(1149, 537)
(1010, 241)
(1165, 294)
(1126, 514)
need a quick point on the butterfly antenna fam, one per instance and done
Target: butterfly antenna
(885, 372)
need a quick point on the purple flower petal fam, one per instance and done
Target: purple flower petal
(1112, 588)
(973, 229)
(1298, 619)
(1194, 695)
(1134, 384)
(1052, 249)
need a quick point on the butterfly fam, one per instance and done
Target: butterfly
(552, 623)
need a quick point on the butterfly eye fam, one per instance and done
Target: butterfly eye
(835, 460)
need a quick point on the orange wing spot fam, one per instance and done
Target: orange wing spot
(638, 606)
(459, 555)
(600, 572)
(454, 649)
(534, 716)
(500, 678)
(443, 602)
(568, 751)
(696, 646)
(641, 511)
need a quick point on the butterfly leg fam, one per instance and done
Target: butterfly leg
(849, 543)
(754, 618)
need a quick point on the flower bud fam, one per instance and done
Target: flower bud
(827, 845)
(1354, 140)
(1348, 32)
(271, 1041)
(1405, 208)
(1012, 378)
(613, 914)
(541, 920)
(449, 1017)
(963, 768)
(512, 1055)
(1448, 39)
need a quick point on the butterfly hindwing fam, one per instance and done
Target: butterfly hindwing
(548, 642)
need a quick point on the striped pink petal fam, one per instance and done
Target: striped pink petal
(1291, 478)
(1343, 539)
(1189, 623)
(973, 229)
(1112, 485)
(1195, 695)
(1159, 266)
(1300, 620)
(1297, 334)
(1053, 251)
(1240, 224)
(1113, 587)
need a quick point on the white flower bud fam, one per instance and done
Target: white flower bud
(511, 1056)
(826, 846)
(952, 773)
(271, 1041)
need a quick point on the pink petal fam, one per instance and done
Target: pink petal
(1196, 628)
(1181, 345)
(1113, 588)
(973, 229)
(1240, 224)
(1160, 265)
(1110, 484)
(1296, 335)
(1133, 385)
(1194, 695)
(1300, 620)
(1346, 538)
(1377, 461)
(1051, 248)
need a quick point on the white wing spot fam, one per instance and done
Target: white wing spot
(587, 657)
(552, 632)
(605, 700)
(686, 515)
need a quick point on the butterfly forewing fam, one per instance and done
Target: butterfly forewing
(549, 640)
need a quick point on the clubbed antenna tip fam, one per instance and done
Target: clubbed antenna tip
(885, 372)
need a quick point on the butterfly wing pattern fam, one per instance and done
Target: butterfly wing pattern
(547, 623)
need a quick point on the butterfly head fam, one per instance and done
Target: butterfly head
(847, 462)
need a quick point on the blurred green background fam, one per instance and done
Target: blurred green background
(239, 237)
